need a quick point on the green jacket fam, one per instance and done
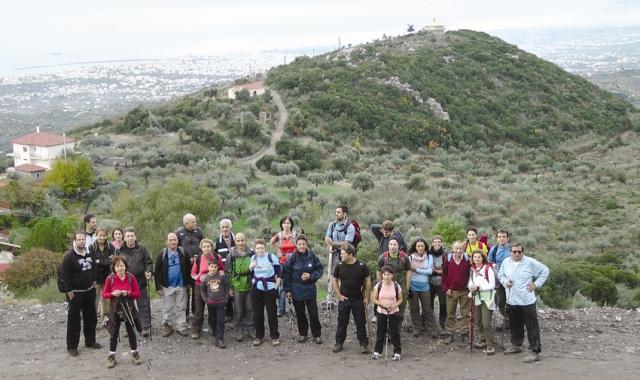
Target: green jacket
(237, 269)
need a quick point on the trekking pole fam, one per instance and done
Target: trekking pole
(472, 321)
(366, 316)
(386, 338)
(129, 317)
(292, 320)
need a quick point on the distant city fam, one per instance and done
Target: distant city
(59, 97)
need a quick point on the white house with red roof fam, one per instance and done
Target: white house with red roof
(34, 153)
(255, 89)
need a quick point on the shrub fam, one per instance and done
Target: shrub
(560, 288)
(32, 270)
(602, 291)
(449, 228)
(50, 233)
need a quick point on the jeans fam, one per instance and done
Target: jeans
(436, 291)
(216, 320)
(282, 301)
(113, 341)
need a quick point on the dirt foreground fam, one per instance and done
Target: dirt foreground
(577, 344)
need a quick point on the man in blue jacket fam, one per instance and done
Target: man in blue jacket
(300, 273)
(521, 276)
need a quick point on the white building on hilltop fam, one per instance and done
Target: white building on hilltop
(255, 89)
(35, 152)
(434, 27)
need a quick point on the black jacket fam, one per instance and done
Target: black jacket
(139, 261)
(190, 241)
(78, 272)
(161, 272)
(221, 247)
(102, 260)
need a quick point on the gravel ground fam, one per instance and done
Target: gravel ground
(586, 343)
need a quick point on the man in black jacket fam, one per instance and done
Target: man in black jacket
(140, 265)
(172, 274)
(79, 281)
(189, 238)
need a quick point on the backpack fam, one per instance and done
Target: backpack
(357, 238)
(395, 287)
(401, 257)
(112, 276)
(61, 287)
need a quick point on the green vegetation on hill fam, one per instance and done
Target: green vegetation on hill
(491, 90)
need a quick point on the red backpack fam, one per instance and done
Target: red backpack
(401, 257)
(356, 236)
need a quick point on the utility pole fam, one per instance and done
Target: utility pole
(339, 43)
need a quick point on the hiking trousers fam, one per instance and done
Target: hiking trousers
(144, 307)
(243, 319)
(82, 307)
(394, 332)
(483, 321)
(459, 297)
(113, 341)
(521, 317)
(173, 309)
(301, 317)
(262, 300)
(501, 302)
(417, 300)
(436, 291)
(355, 307)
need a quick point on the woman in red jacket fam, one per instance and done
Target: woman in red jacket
(121, 288)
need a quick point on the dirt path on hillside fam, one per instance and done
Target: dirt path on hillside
(579, 344)
(283, 115)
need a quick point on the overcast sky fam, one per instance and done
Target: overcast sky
(110, 29)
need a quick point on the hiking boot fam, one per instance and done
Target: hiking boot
(111, 361)
(396, 357)
(105, 323)
(512, 350)
(532, 357)
(374, 319)
(275, 342)
(94, 345)
(167, 330)
(375, 356)
(318, 340)
(146, 331)
(280, 313)
(302, 339)
(448, 339)
(489, 350)
(364, 349)
(479, 345)
(195, 335)
(135, 358)
(256, 342)
(73, 351)
(182, 332)
(220, 343)
(337, 347)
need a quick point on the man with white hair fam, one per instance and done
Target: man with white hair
(224, 243)
(189, 237)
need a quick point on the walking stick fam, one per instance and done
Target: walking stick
(472, 321)
(366, 316)
(386, 338)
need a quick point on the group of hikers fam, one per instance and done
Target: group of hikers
(109, 278)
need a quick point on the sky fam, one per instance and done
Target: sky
(36, 31)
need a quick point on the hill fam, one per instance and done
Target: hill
(568, 193)
(452, 89)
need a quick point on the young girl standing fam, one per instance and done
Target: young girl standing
(387, 294)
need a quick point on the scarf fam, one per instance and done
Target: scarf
(419, 260)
